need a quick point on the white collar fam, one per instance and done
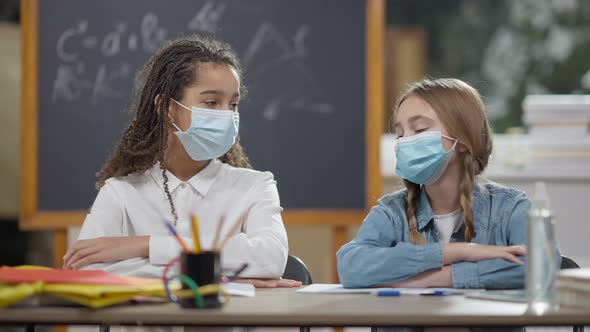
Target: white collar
(201, 181)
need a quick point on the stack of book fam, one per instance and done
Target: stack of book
(559, 133)
(574, 287)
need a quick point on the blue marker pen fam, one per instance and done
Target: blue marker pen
(441, 293)
(388, 292)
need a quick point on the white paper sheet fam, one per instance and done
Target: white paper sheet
(338, 289)
(239, 289)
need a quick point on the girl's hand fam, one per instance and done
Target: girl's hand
(270, 283)
(105, 250)
(472, 252)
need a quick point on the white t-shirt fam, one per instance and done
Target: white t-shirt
(447, 224)
(137, 205)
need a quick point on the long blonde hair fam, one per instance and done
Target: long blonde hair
(461, 111)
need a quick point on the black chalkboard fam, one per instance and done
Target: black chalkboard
(304, 60)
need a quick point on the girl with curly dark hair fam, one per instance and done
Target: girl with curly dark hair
(181, 154)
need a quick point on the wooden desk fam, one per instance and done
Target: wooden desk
(284, 307)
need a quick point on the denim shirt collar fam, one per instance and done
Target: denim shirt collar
(425, 215)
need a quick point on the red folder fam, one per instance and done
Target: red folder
(11, 275)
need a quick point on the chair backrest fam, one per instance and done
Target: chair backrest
(296, 270)
(568, 263)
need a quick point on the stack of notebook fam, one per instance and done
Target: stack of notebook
(558, 132)
(94, 289)
(574, 287)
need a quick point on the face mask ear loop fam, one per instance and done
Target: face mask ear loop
(454, 144)
(175, 126)
(181, 105)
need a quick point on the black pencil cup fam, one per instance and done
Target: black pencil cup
(203, 268)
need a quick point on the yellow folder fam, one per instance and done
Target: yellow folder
(89, 295)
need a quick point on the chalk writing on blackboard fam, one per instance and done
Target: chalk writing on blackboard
(293, 52)
(73, 75)
(75, 78)
(304, 69)
(208, 17)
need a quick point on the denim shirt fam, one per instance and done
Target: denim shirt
(382, 253)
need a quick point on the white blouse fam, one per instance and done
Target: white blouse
(137, 205)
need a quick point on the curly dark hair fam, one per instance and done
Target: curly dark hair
(166, 74)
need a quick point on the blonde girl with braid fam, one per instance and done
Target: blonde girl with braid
(446, 228)
(181, 154)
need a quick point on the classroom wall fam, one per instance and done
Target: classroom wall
(14, 242)
(19, 247)
(10, 80)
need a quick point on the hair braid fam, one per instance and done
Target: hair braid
(412, 206)
(465, 187)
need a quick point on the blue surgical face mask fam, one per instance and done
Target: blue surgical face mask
(421, 158)
(211, 134)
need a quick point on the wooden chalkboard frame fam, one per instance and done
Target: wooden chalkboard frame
(33, 219)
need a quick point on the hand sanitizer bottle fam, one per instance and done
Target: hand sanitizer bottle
(542, 259)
